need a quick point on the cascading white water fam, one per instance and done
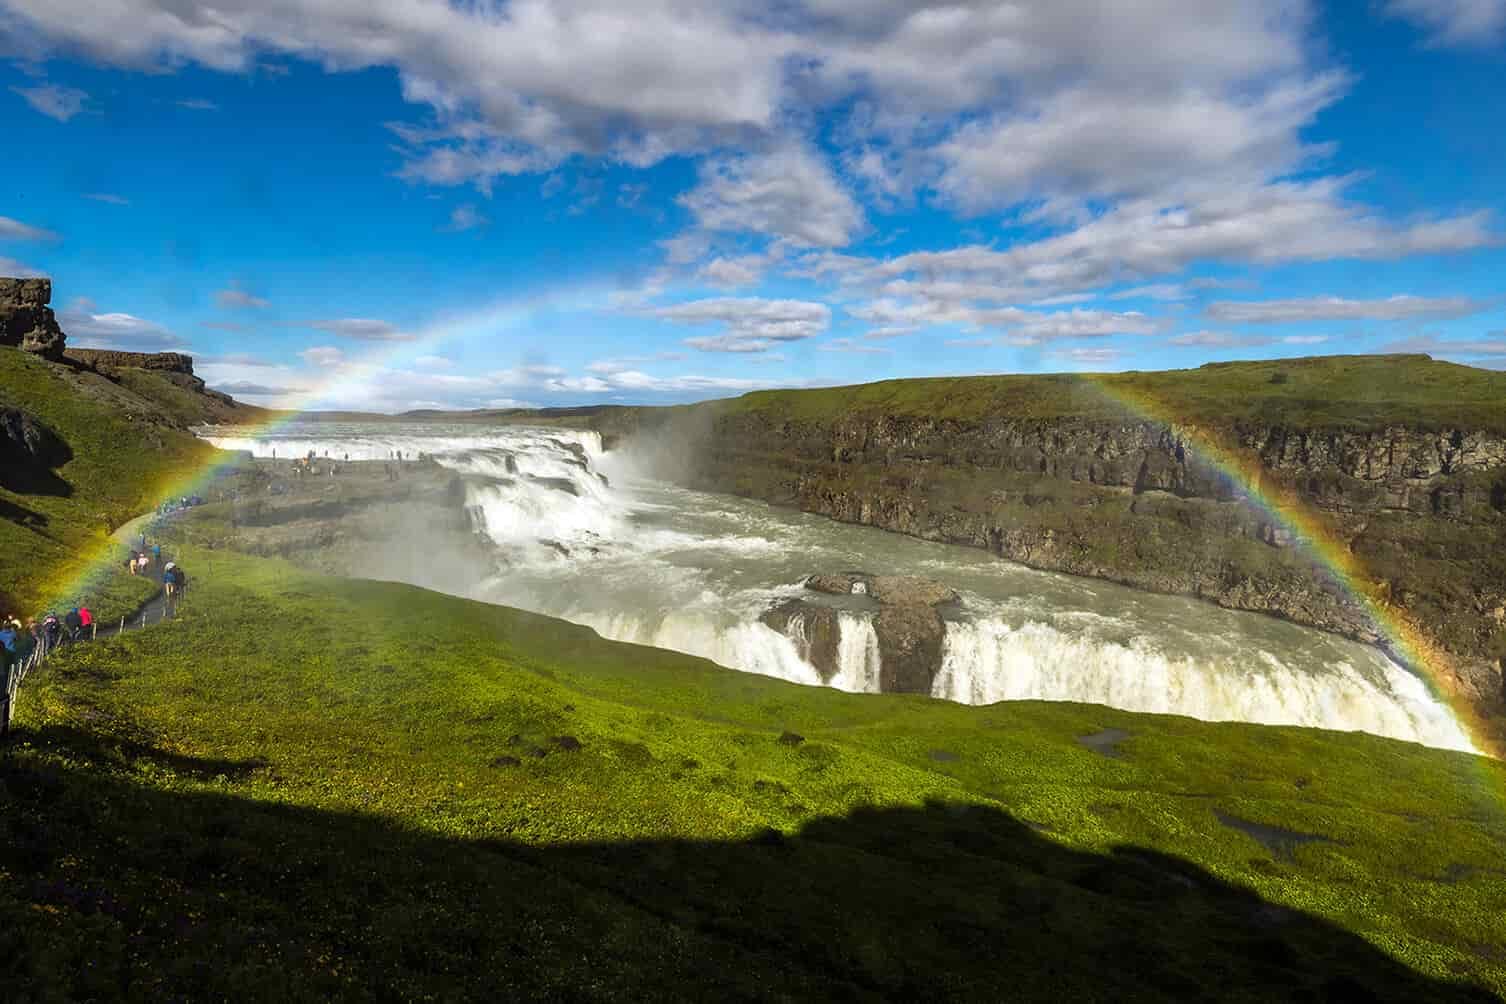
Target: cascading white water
(988, 660)
(580, 537)
(858, 658)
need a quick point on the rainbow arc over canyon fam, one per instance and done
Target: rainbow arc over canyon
(1281, 507)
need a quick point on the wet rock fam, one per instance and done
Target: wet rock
(790, 739)
(26, 320)
(506, 761)
(568, 744)
(815, 630)
(884, 588)
(910, 641)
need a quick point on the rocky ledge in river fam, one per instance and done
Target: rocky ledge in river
(907, 620)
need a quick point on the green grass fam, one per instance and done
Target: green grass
(309, 787)
(53, 538)
(1338, 392)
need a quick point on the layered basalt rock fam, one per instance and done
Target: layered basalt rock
(1422, 512)
(26, 320)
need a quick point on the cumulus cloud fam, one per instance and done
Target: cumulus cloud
(1454, 22)
(788, 195)
(366, 329)
(15, 230)
(1022, 327)
(114, 330)
(247, 388)
(114, 200)
(751, 324)
(1088, 357)
(1103, 143)
(61, 103)
(1334, 308)
(743, 270)
(1218, 339)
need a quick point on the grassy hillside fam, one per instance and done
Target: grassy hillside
(308, 787)
(1347, 392)
(52, 530)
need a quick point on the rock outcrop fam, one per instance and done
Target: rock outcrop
(1418, 510)
(906, 614)
(26, 320)
(105, 359)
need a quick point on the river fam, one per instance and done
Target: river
(578, 533)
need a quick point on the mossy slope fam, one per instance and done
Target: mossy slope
(309, 786)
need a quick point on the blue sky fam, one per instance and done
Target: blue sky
(389, 204)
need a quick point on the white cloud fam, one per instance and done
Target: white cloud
(788, 195)
(466, 217)
(14, 269)
(752, 324)
(744, 270)
(61, 103)
(1103, 143)
(1157, 291)
(114, 330)
(1304, 339)
(323, 356)
(199, 105)
(114, 200)
(1270, 224)
(1334, 308)
(1454, 22)
(363, 328)
(1023, 327)
(238, 299)
(249, 388)
(15, 230)
(433, 362)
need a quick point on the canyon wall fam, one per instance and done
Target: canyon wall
(1420, 513)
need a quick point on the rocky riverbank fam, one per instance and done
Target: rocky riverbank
(1420, 511)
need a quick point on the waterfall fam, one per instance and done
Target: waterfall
(987, 660)
(858, 660)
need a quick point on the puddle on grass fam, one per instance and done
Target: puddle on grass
(1106, 743)
(1281, 842)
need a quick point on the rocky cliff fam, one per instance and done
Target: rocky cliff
(1413, 515)
(167, 362)
(26, 320)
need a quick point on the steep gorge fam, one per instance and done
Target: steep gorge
(1420, 508)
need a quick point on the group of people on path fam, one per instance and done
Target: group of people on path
(18, 641)
(147, 560)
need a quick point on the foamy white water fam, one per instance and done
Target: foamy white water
(577, 534)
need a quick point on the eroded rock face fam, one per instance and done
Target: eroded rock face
(170, 362)
(26, 320)
(906, 620)
(815, 630)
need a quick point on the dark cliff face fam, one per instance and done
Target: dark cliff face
(1422, 512)
(168, 362)
(26, 320)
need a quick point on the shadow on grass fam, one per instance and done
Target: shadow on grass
(118, 891)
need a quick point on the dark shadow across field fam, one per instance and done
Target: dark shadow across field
(117, 891)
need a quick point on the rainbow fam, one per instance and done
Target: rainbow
(1282, 507)
(95, 559)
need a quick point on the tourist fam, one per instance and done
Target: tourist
(8, 637)
(86, 618)
(157, 554)
(73, 624)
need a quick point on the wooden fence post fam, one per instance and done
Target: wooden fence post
(122, 626)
